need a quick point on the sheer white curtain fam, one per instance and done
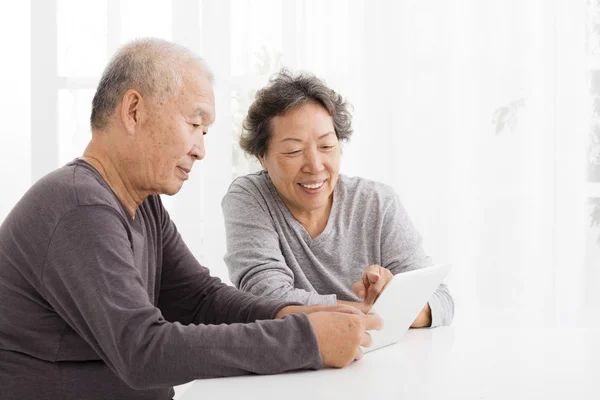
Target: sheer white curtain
(477, 112)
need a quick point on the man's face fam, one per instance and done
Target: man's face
(173, 134)
(303, 158)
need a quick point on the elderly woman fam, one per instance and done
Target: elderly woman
(300, 231)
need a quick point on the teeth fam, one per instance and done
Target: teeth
(313, 186)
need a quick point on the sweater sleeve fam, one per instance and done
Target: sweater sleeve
(190, 295)
(254, 258)
(402, 251)
(91, 281)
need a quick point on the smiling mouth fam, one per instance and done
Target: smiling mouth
(312, 186)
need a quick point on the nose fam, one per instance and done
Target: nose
(198, 151)
(313, 162)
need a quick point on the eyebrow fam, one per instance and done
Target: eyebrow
(299, 140)
(200, 111)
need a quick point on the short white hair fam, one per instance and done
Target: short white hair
(154, 67)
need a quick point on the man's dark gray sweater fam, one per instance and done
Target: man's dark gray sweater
(95, 304)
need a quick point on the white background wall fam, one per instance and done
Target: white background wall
(478, 112)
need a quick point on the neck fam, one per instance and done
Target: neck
(114, 175)
(314, 221)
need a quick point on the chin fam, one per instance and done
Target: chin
(172, 189)
(317, 205)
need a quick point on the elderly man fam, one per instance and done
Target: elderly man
(101, 299)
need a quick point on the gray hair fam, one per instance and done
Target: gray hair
(151, 66)
(284, 92)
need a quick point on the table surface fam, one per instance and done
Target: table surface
(441, 363)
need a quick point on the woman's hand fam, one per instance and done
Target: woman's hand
(374, 280)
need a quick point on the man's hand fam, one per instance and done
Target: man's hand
(423, 320)
(372, 284)
(340, 335)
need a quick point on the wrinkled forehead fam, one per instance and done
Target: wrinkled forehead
(196, 79)
(197, 91)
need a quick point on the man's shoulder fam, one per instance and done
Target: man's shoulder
(56, 197)
(66, 188)
(90, 188)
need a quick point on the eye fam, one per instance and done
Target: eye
(199, 126)
(327, 147)
(292, 153)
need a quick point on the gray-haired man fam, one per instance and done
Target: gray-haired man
(101, 299)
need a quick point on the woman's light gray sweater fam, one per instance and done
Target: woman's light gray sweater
(269, 253)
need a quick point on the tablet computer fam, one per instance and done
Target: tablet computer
(402, 300)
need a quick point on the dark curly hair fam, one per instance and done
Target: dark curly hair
(284, 92)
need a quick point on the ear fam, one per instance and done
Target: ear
(262, 163)
(131, 110)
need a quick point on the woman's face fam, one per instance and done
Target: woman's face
(303, 158)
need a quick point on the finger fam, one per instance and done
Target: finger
(373, 322)
(373, 292)
(359, 289)
(382, 289)
(365, 339)
(365, 281)
(388, 276)
(375, 289)
(370, 276)
(373, 276)
(371, 269)
(370, 297)
(359, 354)
(378, 287)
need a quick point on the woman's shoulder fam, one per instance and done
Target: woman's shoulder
(360, 188)
(363, 200)
(254, 188)
(254, 183)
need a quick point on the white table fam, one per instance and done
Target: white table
(442, 363)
